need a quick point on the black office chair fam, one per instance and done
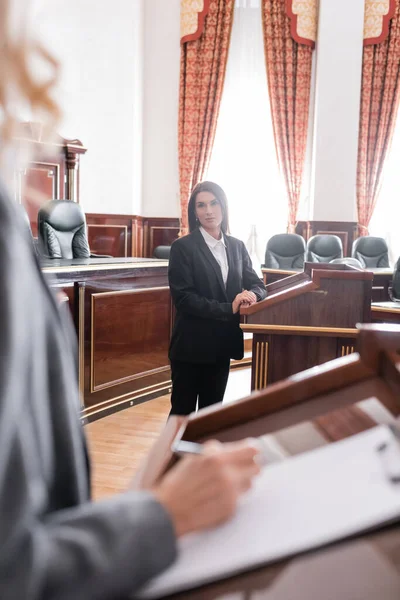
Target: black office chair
(324, 248)
(352, 262)
(372, 252)
(394, 292)
(285, 251)
(62, 231)
(162, 252)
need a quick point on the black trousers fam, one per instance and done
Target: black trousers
(205, 383)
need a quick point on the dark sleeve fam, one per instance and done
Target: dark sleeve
(186, 298)
(251, 280)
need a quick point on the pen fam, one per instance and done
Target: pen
(182, 448)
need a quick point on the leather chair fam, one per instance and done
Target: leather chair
(162, 252)
(324, 248)
(285, 251)
(372, 252)
(62, 231)
(395, 292)
(352, 262)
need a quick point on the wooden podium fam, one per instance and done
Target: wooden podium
(325, 397)
(307, 319)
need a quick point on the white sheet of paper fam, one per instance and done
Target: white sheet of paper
(299, 504)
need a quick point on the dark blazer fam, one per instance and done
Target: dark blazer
(54, 542)
(205, 329)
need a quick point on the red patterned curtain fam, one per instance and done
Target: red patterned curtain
(380, 92)
(289, 80)
(203, 65)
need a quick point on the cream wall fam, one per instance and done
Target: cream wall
(161, 99)
(336, 110)
(101, 91)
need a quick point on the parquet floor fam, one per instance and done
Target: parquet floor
(118, 443)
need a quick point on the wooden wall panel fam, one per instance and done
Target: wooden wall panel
(130, 331)
(346, 230)
(135, 235)
(53, 172)
(159, 232)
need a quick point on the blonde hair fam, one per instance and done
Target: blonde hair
(19, 87)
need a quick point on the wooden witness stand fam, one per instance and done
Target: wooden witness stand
(307, 319)
(327, 397)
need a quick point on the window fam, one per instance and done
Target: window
(386, 217)
(244, 159)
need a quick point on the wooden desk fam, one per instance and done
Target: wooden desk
(308, 410)
(123, 316)
(380, 286)
(385, 312)
(307, 319)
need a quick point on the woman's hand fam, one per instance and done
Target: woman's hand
(244, 298)
(203, 491)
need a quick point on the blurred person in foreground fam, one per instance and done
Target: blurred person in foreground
(54, 542)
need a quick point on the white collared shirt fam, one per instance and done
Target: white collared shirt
(218, 249)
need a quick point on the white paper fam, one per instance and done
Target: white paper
(301, 503)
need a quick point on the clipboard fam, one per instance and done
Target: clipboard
(300, 504)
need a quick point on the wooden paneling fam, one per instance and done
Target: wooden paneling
(52, 174)
(158, 232)
(110, 234)
(130, 331)
(135, 235)
(108, 239)
(346, 230)
(124, 327)
(306, 320)
(123, 317)
(280, 355)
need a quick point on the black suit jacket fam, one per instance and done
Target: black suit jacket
(205, 329)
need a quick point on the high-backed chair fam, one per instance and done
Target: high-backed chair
(162, 252)
(62, 230)
(285, 251)
(395, 291)
(324, 248)
(372, 252)
(352, 262)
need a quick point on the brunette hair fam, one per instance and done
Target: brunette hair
(220, 196)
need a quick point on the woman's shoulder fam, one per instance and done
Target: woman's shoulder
(186, 241)
(234, 242)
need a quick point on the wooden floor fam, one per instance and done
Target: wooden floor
(119, 443)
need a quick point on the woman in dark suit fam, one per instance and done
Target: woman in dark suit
(210, 277)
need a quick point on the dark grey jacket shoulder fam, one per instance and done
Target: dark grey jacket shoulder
(54, 542)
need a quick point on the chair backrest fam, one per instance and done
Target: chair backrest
(372, 252)
(285, 251)
(162, 252)
(352, 262)
(324, 248)
(395, 292)
(62, 230)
